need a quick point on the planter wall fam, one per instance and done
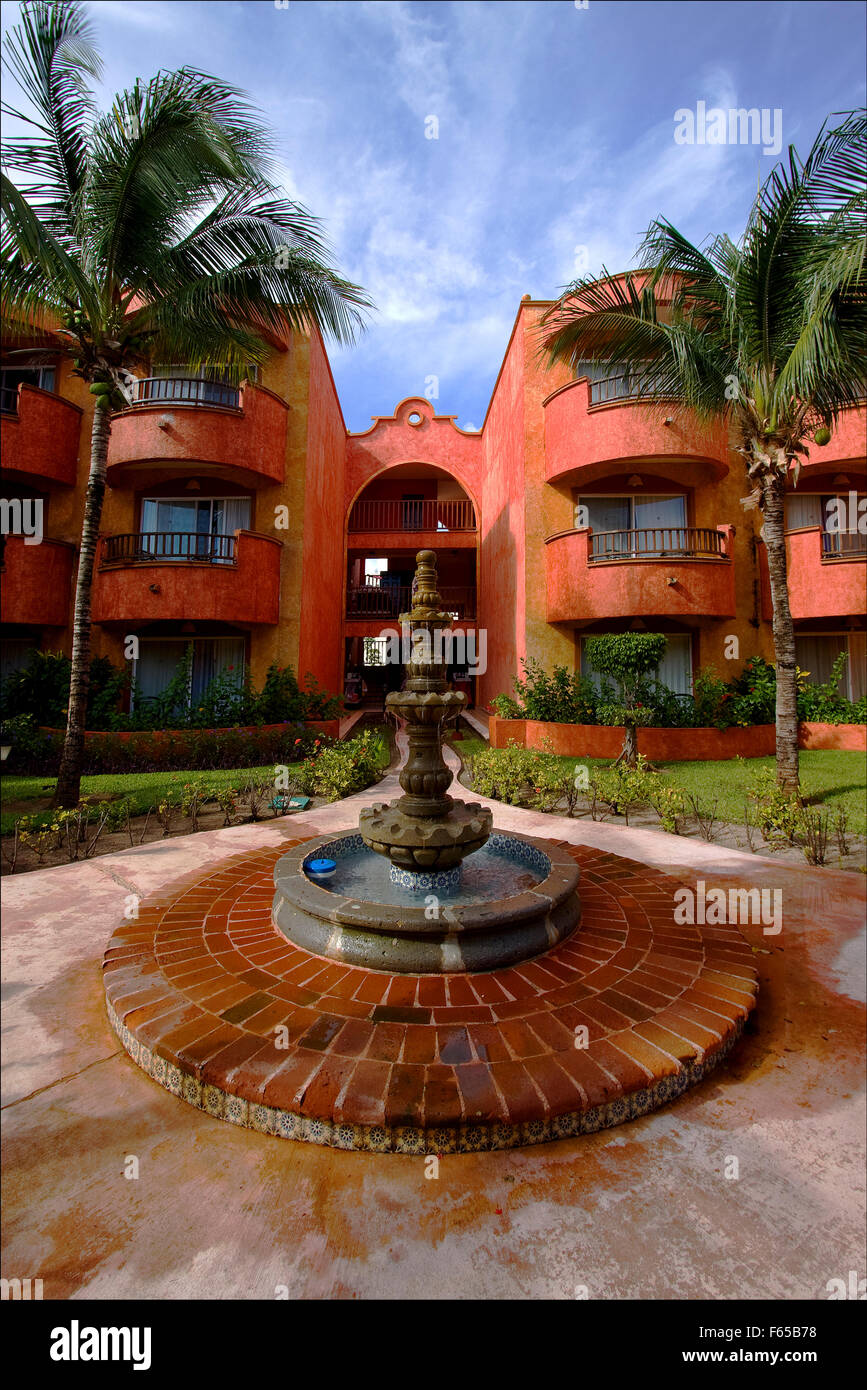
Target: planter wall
(669, 745)
(851, 737)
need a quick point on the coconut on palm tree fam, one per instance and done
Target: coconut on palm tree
(152, 231)
(768, 334)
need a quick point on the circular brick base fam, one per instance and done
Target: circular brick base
(219, 1008)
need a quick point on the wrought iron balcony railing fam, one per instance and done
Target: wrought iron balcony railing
(618, 388)
(183, 390)
(408, 514)
(374, 599)
(658, 543)
(143, 547)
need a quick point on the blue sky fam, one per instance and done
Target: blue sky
(555, 143)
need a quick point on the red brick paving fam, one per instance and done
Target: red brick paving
(204, 981)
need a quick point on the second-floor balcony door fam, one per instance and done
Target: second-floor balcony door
(637, 527)
(193, 528)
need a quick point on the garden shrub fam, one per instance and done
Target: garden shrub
(627, 658)
(511, 774)
(342, 768)
(748, 699)
(564, 697)
(41, 689)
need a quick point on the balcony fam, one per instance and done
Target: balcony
(376, 600)
(175, 423)
(37, 582)
(149, 577)
(40, 435)
(592, 428)
(847, 446)
(680, 572)
(430, 522)
(826, 575)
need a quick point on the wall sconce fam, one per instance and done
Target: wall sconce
(668, 420)
(164, 422)
(155, 588)
(671, 580)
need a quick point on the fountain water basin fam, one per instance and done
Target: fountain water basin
(511, 900)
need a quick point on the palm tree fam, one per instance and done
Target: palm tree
(767, 334)
(152, 229)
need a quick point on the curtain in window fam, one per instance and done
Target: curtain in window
(158, 661)
(857, 665)
(231, 514)
(665, 517)
(216, 656)
(802, 510)
(675, 668)
(817, 653)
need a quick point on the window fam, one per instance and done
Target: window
(648, 524)
(674, 671)
(837, 516)
(816, 653)
(159, 658)
(194, 527)
(14, 654)
(13, 377)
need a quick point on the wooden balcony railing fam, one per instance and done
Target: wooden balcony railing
(143, 547)
(657, 543)
(376, 600)
(398, 514)
(182, 390)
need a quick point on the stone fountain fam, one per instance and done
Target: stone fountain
(426, 834)
(426, 885)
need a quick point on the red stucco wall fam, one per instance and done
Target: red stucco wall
(37, 582)
(41, 441)
(322, 555)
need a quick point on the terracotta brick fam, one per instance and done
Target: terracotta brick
(480, 1099)
(404, 1099)
(363, 1101)
(442, 1096)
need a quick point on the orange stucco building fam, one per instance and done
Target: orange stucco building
(251, 523)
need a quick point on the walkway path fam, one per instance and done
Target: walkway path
(644, 1211)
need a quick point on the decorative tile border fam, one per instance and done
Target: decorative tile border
(414, 1141)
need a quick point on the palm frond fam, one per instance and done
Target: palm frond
(51, 55)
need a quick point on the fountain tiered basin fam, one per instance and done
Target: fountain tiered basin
(512, 899)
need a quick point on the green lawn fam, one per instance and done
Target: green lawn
(144, 789)
(830, 778)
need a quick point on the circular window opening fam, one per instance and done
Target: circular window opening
(414, 418)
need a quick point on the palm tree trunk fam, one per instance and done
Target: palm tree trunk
(773, 491)
(68, 790)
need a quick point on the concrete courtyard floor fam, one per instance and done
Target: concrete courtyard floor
(648, 1210)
